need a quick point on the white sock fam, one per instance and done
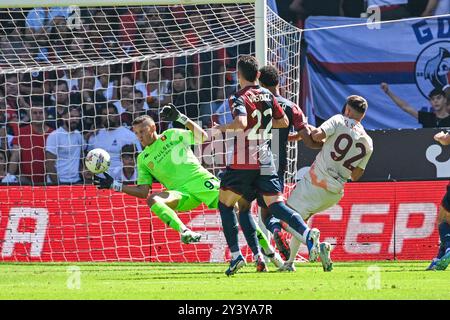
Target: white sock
(294, 245)
(301, 237)
(235, 255)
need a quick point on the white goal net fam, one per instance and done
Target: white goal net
(74, 78)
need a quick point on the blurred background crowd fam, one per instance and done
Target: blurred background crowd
(50, 119)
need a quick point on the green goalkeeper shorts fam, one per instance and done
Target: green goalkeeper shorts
(197, 192)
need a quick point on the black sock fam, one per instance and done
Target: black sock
(230, 226)
(273, 224)
(293, 219)
(249, 229)
(441, 251)
(444, 235)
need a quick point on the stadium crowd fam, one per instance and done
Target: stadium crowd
(50, 119)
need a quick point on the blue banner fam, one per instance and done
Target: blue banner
(413, 57)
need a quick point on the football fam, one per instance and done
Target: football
(97, 160)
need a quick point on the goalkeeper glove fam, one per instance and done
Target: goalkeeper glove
(107, 183)
(170, 113)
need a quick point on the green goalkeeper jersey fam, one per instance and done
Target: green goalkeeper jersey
(171, 161)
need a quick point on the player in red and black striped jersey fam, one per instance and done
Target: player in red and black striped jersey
(255, 111)
(442, 260)
(298, 129)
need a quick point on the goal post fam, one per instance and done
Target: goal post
(126, 58)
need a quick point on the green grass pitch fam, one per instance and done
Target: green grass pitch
(356, 280)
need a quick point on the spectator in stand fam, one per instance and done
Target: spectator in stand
(60, 36)
(89, 100)
(443, 7)
(184, 97)
(104, 21)
(128, 172)
(105, 83)
(113, 136)
(353, 8)
(12, 46)
(73, 77)
(64, 149)
(222, 115)
(126, 86)
(17, 109)
(5, 177)
(37, 83)
(13, 19)
(5, 138)
(152, 84)
(86, 87)
(134, 108)
(27, 156)
(128, 27)
(125, 104)
(306, 8)
(391, 9)
(439, 117)
(61, 98)
(39, 19)
(207, 66)
(39, 22)
(425, 8)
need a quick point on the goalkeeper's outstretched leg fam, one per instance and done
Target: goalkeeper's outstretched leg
(164, 204)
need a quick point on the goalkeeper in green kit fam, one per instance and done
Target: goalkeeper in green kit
(169, 159)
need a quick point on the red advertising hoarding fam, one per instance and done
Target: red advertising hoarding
(374, 221)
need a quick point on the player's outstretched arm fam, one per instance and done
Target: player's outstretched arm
(306, 135)
(200, 135)
(405, 106)
(140, 191)
(443, 138)
(170, 113)
(318, 135)
(238, 123)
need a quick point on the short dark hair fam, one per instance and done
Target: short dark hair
(142, 119)
(129, 149)
(436, 92)
(248, 67)
(357, 103)
(269, 76)
(179, 70)
(66, 110)
(36, 101)
(62, 82)
(106, 106)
